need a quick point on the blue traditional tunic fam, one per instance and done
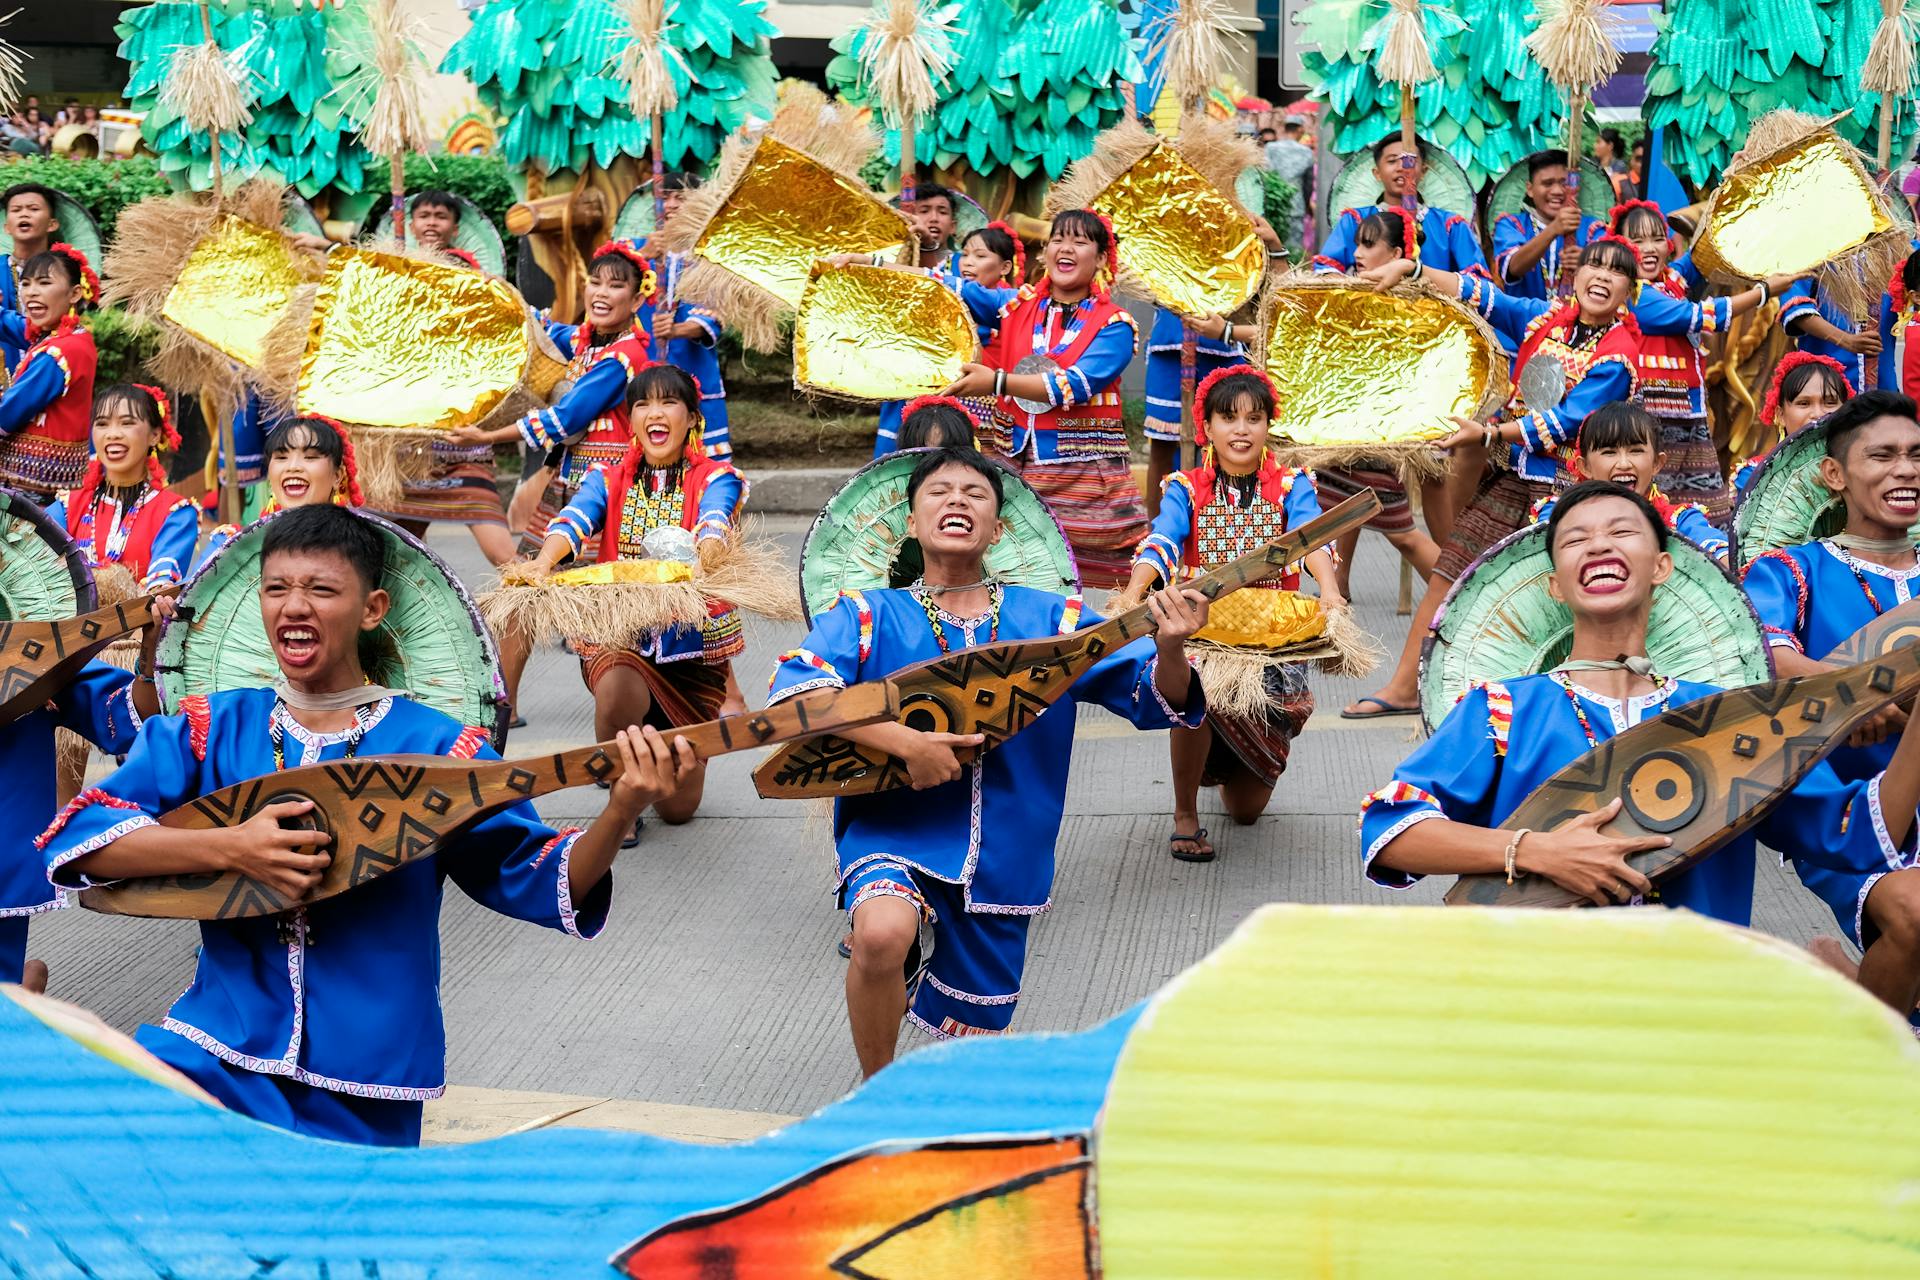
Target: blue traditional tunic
(1511, 231)
(1163, 372)
(341, 996)
(12, 343)
(1802, 299)
(981, 300)
(975, 854)
(1447, 241)
(1688, 519)
(1502, 740)
(98, 706)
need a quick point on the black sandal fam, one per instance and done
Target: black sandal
(1196, 837)
(632, 840)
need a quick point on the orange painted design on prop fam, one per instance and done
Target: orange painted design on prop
(953, 1209)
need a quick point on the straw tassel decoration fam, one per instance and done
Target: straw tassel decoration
(1889, 66)
(13, 71)
(904, 60)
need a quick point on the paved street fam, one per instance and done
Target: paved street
(716, 985)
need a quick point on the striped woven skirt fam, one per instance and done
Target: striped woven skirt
(1337, 484)
(686, 692)
(1100, 508)
(1692, 473)
(1258, 746)
(1502, 505)
(462, 488)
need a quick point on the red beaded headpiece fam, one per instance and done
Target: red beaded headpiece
(1019, 252)
(1770, 408)
(89, 282)
(1231, 371)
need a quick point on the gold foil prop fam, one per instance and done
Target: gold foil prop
(1790, 211)
(1356, 369)
(875, 334)
(657, 572)
(1263, 618)
(786, 212)
(1192, 248)
(398, 342)
(238, 282)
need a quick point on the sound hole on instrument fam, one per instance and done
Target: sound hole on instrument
(314, 819)
(926, 713)
(1663, 791)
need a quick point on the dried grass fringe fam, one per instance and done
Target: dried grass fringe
(807, 122)
(115, 584)
(1235, 678)
(391, 458)
(1856, 279)
(1416, 463)
(1405, 57)
(753, 576)
(1576, 43)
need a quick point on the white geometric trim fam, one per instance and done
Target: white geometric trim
(946, 990)
(100, 841)
(299, 1075)
(1380, 842)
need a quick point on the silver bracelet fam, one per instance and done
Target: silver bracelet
(999, 382)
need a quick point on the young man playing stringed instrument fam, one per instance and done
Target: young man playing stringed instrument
(326, 1020)
(941, 884)
(1810, 598)
(1504, 739)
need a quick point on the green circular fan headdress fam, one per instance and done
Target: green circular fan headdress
(43, 575)
(859, 540)
(476, 234)
(1785, 504)
(1499, 623)
(300, 217)
(432, 642)
(76, 228)
(1508, 194)
(1445, 187)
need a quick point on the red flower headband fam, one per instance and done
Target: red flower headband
(1019, 252)
(1795, 360)
(169, 437)
(1231, 371)
(927, 402)
(631, 252)
(1409, 232)
(89, 282)
(1619, 212)
(349, 465)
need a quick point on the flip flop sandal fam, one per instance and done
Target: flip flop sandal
(632, 840)
(1198, 837)
(845, 947)
(1386, 710)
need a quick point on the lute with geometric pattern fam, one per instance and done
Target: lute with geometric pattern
(384, 812)
(999, 689)
(39, 659)
(1705, 772)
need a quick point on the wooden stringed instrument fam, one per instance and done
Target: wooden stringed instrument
(38, 659)
(384, 812)
(999, 689)
(1706, 772)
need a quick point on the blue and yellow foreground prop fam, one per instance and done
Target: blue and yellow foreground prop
(1336, 1092)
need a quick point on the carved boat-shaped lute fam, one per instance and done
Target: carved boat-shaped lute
(386, 811)
(1704, 773)
(998, 689)
(38, 659)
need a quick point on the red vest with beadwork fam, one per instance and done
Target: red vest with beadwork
(1030, 325)
(1552, 334)
(130, 543)
(632, 514)
(50, 452)
(1669, 359)
(1223, 532)
(608, 435)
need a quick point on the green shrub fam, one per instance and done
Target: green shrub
(105, 187)
(125, 345)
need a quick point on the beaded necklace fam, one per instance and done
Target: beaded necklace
(925, 596)
(277, 732)
(1866, 588)
(1580, 712)
(121, 531)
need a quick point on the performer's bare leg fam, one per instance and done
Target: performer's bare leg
(497, 544)
(1344, 547)
(1890, 969)
(34, 977)
(515, 651)
(1832, 952)
(1468, 468)
(1246, 799)
(1439, 504)
(1416, 548)
(883, 933)
(1188, 748)
(1402, 688)
(1163, 459)
(622, 698)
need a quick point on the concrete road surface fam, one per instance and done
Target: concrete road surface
(711, 1007)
